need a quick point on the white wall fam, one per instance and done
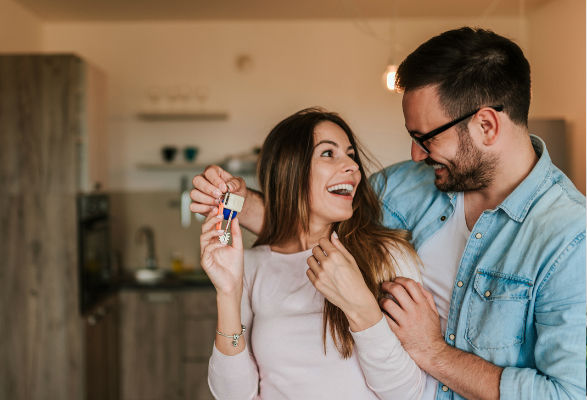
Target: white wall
(20, 30)
(557, 58)
(296, 64)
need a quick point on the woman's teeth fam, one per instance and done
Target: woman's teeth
(342, 189)
(437, 166)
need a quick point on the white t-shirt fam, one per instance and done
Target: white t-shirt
(285, 359)
(441, 255)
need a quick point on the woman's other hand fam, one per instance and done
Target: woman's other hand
(209, 187)
(334, 273)
(222, 263)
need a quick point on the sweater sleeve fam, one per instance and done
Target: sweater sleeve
(389, 371)
(236, 377)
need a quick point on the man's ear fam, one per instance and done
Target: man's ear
(490, 125)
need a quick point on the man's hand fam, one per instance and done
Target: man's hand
(413, 317)
(414, 320)
(209, 187)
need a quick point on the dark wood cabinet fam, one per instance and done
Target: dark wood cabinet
(102, 350)
(151, 345)
(166, 341)
(46, 117)
(196, 381)
(199, 316)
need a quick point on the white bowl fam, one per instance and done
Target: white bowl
(149, 275)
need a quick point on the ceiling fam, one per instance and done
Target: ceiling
(142, 10)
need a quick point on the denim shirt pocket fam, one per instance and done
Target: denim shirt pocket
(497, 310)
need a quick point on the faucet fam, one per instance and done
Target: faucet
(147, 233)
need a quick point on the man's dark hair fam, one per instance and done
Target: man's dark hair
(472, 68)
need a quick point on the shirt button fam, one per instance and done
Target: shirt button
(460, 283)
(478, 235)
(444, 388)
(487, 293)
(443, 218)
(451, 336)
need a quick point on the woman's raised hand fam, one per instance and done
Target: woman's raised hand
(334, 273)
(222, 263)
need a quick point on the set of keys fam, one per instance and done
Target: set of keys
(230, 205)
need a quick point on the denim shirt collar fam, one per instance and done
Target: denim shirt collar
(452, 196)
(518, 203)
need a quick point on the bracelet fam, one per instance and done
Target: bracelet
(234, 337)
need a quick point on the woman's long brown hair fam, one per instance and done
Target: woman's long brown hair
(284, 176)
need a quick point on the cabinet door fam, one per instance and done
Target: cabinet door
(41, 332)
(151, 346)
(196, 381)
(102, 352)
(199, 319)
(199, 338)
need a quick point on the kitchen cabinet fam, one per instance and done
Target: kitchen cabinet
(166, 341)
(150, 345)
(199, 317)
(49, 107)
(196, 382)
(102, 350)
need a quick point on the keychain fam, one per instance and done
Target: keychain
(229, 206)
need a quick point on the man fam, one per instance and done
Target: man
(500, 230)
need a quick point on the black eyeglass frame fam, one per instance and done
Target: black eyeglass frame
(419, 140)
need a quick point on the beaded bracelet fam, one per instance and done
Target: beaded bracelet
(234, 337)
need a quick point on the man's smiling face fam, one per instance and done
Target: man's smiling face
(459, 165)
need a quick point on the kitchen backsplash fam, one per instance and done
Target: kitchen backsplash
(159, 210)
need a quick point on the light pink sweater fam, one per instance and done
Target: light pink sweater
(282, 312)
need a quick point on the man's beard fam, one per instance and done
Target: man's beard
(471, 169)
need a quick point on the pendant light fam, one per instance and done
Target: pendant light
(389, 77)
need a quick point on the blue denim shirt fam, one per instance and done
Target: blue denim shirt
(522, 302)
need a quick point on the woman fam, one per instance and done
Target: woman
(289, 331)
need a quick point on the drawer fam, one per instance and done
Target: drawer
(196, 381)
(200, 303)
(199, 337)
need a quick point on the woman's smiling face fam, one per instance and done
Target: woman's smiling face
(334, 175)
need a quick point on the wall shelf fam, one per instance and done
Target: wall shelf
(171, 167)
(183, 115)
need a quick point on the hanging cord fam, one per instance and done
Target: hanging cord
(362, 24)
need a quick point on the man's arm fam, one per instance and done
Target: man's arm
(213, 182)
(559, 314)
(253, 211)
(414, 319)
(464, 373)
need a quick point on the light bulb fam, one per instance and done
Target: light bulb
(389, 77)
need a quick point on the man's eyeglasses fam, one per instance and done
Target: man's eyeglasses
(420, 139)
